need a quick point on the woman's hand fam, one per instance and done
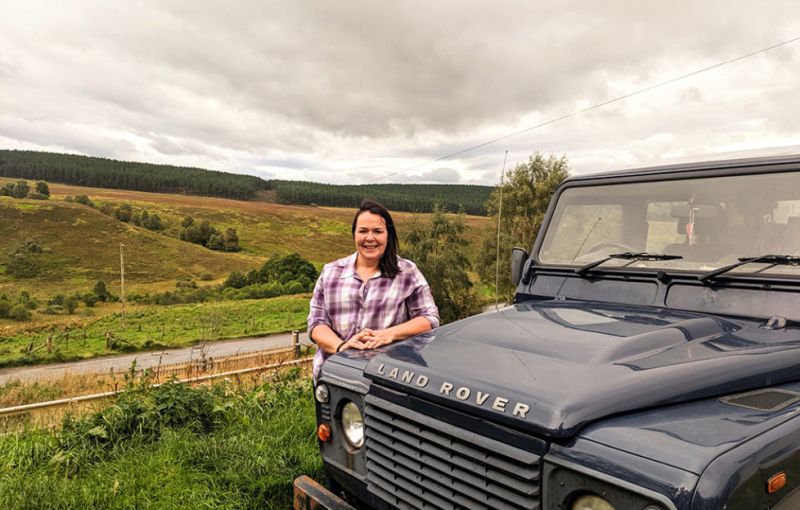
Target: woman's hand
(355, 342)
(377, 337)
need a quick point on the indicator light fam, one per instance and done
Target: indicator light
(776, 482)
(324, 432)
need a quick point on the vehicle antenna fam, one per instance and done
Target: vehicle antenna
(497, 258)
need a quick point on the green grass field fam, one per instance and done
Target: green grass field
(172, 447)
(154, 327)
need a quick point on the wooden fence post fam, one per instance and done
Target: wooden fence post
(296, 343)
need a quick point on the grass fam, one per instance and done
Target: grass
(175, 447)
(154, 327)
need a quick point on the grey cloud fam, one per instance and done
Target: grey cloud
(246, 84)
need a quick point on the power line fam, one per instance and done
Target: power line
(599, 105)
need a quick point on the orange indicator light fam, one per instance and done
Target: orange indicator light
(324, 433)
(776, 482)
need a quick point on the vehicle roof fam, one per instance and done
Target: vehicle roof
(697, 166)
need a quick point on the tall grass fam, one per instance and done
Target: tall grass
(170, 447)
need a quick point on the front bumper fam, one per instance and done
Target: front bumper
(310, 495)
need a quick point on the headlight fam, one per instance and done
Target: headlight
(353, 425)
(321, 393)
(591, 502)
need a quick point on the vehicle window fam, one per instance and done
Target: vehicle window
(582, 227)
(710, 222)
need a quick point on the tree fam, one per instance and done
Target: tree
(439, 250)
(153, 222)
(22, 265)
(21, 189)
(85, 200)
(230, 241)
(100, 290)
(526, 193)
(124, 213)
(42, 188)
(19, 313)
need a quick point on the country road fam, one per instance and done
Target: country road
(149, 359)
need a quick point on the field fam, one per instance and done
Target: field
(171, 447)
(81, 245)
(152, 328)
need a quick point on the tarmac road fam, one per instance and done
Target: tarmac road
(123, 362)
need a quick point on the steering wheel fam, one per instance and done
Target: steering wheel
(612, 245)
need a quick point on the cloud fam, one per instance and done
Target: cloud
(358, 90)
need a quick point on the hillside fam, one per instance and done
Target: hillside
(112, 174)
(82, 244)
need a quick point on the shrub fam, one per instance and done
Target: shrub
(124, 213)
(21, 265)
(21, 189)
(100, 290)
(85, 200)
(57, 300)
(42, 189)
(26, 300)
(5, 308)
(37, 196)
(18, 312)
(89, 299)
(69, 198)
(71, 303)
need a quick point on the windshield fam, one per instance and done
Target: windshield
(710, 222)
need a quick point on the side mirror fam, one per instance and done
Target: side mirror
(518, 258)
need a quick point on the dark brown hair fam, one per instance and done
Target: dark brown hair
(388, 262)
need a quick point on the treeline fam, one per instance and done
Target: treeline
(109, 173)
(398, 197)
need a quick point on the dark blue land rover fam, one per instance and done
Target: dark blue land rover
(650, 361)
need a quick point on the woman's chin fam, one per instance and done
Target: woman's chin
(371, 256)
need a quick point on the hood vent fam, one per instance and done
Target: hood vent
(763, 400)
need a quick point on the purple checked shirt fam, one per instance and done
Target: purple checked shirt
(347, 304)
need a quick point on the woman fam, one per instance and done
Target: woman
(372, 297)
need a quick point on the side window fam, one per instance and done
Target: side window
(662, 227)
(580, 228)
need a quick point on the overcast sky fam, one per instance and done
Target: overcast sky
(369, 91)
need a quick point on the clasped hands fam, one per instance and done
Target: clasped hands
(368, 339)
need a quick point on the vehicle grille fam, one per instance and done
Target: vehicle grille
(415, 461)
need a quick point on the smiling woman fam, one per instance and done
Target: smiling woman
(372, 297)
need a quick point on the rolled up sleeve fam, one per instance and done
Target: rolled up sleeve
(317, 313)
(420, 303)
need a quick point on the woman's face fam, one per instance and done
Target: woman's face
(371, 237)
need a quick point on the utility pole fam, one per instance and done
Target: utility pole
(122, 279)
(497, 257)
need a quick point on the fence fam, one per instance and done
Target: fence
(201, 369)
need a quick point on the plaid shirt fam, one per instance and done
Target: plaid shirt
(347, 304)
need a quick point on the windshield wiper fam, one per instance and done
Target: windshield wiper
(581, 271)
(775, 260)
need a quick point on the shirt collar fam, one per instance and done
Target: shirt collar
(349, 265)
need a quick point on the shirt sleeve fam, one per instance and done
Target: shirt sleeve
(317, 313)
(420, 303)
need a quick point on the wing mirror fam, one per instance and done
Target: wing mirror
(518, 258)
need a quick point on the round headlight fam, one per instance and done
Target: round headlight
(591, 502)
(322, 394)
(353, 425)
